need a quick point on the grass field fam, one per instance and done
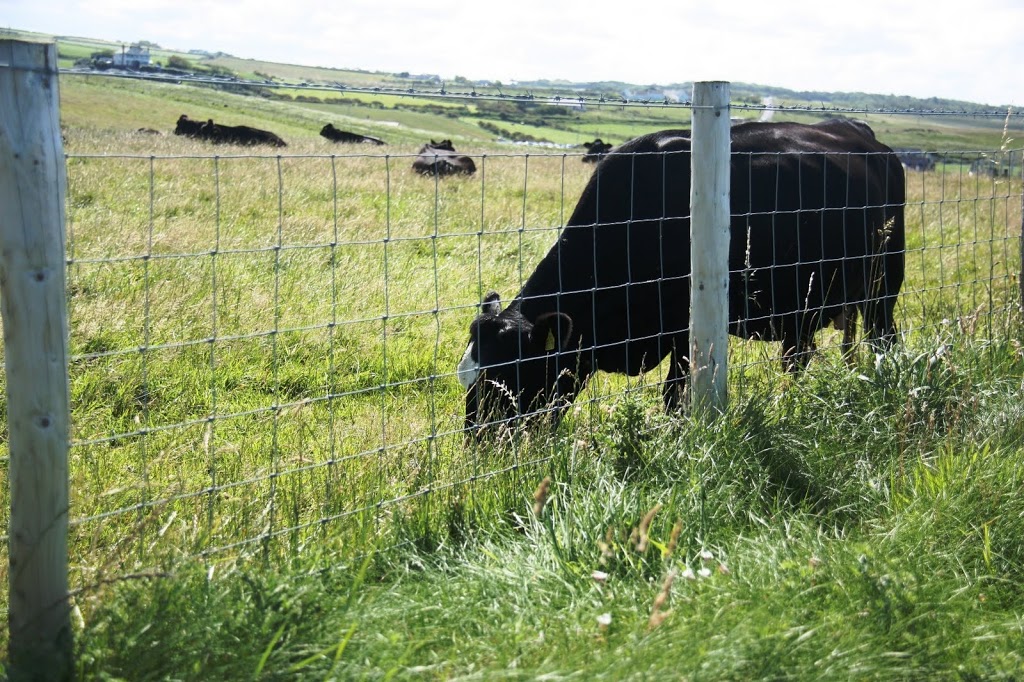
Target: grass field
(269, 480)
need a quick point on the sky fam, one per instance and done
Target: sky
(968, 49)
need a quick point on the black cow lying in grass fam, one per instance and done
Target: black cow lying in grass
(335, 135)
(222, 134)
(817, 235)
(595, 150)
(440, 158)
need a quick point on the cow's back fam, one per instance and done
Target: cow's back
(817, 221)
(631, 225)
(809, 205)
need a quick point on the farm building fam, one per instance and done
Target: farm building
(133, 57)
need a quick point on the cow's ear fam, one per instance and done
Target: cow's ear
(551, 332)
(491, 304)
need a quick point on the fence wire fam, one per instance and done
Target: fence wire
(264, 347)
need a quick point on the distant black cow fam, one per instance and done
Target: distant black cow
(222, 134)
(817, 235)
(595, 150)
(241, 135)
(188, 127)
(440, 158)
(989, 166)
(335, 135)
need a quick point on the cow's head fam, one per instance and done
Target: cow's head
(186, 126)
(446, 145)
(516, 368)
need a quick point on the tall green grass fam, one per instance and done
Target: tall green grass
(860, 524)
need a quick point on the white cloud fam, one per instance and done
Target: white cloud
(945, 49)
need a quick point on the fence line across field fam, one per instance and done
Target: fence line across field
(259, 294)
(549, 96)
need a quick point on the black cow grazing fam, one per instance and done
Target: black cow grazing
(595, 150)
(440, 158)
(335, 135)
(817, 235)
(222, 134)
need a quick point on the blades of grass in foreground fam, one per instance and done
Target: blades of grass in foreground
(269, 650)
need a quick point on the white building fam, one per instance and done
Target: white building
(132, 57)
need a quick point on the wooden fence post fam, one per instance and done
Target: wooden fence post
(709, 235)
(33, 182)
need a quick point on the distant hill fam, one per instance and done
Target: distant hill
(405, 107)
(753, 93)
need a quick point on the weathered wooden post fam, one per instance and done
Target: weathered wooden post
(709, 234)
(33, 182)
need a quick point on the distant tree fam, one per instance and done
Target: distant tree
(102, 54)
(176, 62)
(148, 43)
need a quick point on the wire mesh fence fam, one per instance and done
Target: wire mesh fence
(263, 348)
(266, 346)
(268, 352)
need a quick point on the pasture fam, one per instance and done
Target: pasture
(269, 477)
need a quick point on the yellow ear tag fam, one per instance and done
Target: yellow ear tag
(549, 344)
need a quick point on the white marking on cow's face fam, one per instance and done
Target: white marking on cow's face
(469, 369)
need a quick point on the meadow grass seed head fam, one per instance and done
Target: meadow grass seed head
(673, 540)
(658, 615)
(607, 545)
(634, 538)
(540, 497)
(645, 526)
(656, 619)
